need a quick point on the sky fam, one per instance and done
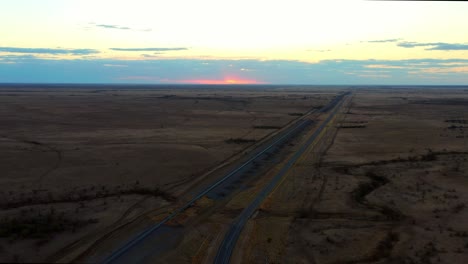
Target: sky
(234, 42)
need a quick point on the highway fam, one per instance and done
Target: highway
(123, 253)
(227, 246)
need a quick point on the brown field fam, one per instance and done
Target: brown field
(82, 169)
(388, 184)
(78, 163)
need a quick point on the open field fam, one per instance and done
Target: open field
(79, 162)
(385, 181)
(388, 184)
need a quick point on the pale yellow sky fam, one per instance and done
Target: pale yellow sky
(292, 30)
(158, 41)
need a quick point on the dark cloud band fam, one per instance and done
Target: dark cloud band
(112, 27)
(48, 51)
(434, 45)
(384, 40)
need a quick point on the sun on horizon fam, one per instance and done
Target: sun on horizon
(226, 80)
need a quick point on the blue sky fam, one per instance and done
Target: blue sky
(207, 41)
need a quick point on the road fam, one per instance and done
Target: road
(123, 253)
(227, 246)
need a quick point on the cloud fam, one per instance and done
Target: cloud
(17, 57)
(148, 49)
(380, 66)
(48, 51)
(149, 56)
(407, 44)
(384, 40)
(434, 45)
(114, 65)
(428, 45)
(448, 46)
(112, 26)
(446, 70)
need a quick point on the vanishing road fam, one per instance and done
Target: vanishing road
(130, 249)
(229, 242)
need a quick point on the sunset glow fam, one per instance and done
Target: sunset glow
(223, 81)
(203, 42)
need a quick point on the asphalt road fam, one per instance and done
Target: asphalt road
(227, 246)
(141, 241)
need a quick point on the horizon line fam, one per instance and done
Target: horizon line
(228, 84)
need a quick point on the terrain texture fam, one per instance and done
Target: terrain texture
(85, 168)
(389, 187)
(79, 163)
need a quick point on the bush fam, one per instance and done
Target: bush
(40, 226)
(239, 141)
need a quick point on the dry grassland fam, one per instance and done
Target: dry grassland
(77, 163)
(392, 187)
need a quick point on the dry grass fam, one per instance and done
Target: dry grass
(393, 187)
(113, 154)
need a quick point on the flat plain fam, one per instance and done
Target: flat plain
(389, 185)
(84, 168)
(80, 162)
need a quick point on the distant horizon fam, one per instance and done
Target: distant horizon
(2, 85)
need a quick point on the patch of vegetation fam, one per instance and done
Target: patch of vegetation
(353, 126)
(385, 246)
(296, 114)
(39, 225)
(267, 127)
(357, 122)
(239, 141)
(148, 191)
(458, 208)
(80, 195)
(458, 121)
(304, 213)
(366, 188)
(390, 213)
(455, 127)
(429, 156)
